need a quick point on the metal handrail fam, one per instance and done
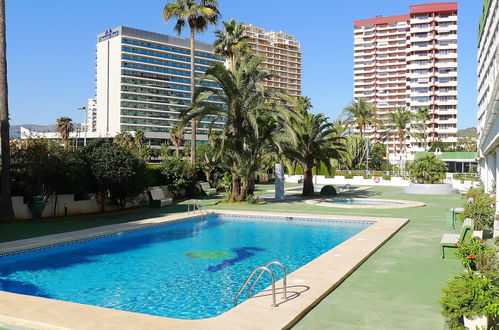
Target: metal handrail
(195, 205)
(263, 269)
(275, 262)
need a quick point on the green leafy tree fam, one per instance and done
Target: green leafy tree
(377, 156)
(197, 14)
(231, 41)
(64, 127)
(135, 144)
(361, 114)
(114, 169)
(427, 169)
(6, 210)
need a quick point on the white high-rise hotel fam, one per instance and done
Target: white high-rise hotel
(488, 100)
(410, 61)
(143, 82)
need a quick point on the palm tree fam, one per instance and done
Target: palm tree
(401, 119)
(312, 142)
(198, 14)
(6, 210)
(422, 117)
(64, 127)
(361, 114)
(231, 41)
(340, 127)
(177, 138)
(243, 99)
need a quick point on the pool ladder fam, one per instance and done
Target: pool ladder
(196, 206)
(262, 270)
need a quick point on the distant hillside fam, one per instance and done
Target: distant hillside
(467, 132)
(15, 130)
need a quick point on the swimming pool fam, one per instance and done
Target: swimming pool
(188, 269)
(363, 202)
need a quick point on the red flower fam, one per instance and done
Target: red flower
(471, 256)
(455, 245)
(484, 241)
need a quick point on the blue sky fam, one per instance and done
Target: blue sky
(51, 48)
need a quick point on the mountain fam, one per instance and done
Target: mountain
(467, 132)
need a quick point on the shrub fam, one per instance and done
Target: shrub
(470, 295)
(387, 177)
(115, 169)
(367, 176)
(252, 199)
(179, 174)
(476, 255)
(348, 175)
(328, 191)
(481, 210)
(474, 193)
(427, 169)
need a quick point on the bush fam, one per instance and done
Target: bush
(348, 175)
(470, 295)
(179, 174)
(427, 169)
(252, 199)
(328, 191)
(115, 169)
(474, 193)
(481, 210)
(476, 255)
(386, 177)
(367, 176)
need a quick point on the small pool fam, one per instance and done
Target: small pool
(189, 269)
(365, 203)
(362, 202)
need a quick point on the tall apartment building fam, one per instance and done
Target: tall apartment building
(283, 56)
(143, 82)
(91, 115)
(488, 100)
(410, 61)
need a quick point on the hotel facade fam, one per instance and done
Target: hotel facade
(488, 100)
(143, 82)
(282, 55)
(410, 61)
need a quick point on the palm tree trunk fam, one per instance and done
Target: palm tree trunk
(308, 184)
(6, 210)
(236, 187)
(193, 86)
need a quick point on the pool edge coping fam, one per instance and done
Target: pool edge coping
(320, 283)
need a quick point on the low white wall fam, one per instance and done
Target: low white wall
(22, 212)
(357, 180)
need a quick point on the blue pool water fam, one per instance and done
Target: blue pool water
(187, 270)
(362, 202)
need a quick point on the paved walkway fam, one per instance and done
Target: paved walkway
(397, 288)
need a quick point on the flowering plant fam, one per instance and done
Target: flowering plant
(475, 254)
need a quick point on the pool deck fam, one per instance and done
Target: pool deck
(398, 287)
(307, 286)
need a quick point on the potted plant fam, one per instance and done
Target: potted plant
(426, 175)
(482, 210)
(476, 256)
(472, 298)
